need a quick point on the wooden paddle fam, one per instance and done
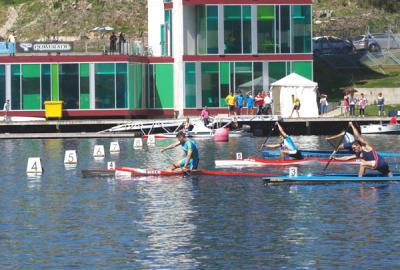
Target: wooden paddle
(336, 149)
(272, 130)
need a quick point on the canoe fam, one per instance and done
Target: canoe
(321, 153)
(127, 172)
(330, 178)
(254, 162)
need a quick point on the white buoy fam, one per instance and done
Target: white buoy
(123, 174)
(137, 143)
(99, 151)
(239, 156)
(70, 157)
(293, 172)
(151, 140)
(34, 165)
(114, 147)
(111, 165)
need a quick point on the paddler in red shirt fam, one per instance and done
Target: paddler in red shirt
(259, 100)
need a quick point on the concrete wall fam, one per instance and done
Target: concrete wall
(391, 95)
(155, 20)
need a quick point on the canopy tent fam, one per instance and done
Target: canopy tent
(299, 86)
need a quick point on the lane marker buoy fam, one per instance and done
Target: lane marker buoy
(34, 165)
(239, 156)
(99, 151)
(70, 157)
(114, 147)
(137, 143)
(151, 140)
(111, 165)
(293, 172)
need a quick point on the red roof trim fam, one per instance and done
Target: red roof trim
(267, 57)
(63, 58)
(168, 5)
(215, 2)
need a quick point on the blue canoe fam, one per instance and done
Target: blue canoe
(331, 178)
(321, 153)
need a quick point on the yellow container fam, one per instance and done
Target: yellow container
(53, 109)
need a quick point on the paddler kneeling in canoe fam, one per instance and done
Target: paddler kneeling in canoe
(369, 159)
(287, 146)
(191, 160)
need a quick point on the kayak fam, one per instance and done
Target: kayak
(254, 162)
(330, 178)
(322, 153)
(123, 172)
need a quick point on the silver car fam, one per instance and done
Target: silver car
(387, 40)
(366, 42)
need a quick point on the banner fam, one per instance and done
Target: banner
(44, 47)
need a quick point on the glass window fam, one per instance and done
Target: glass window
(31, 87)
(202, 34)
(2, 84)
(224, 82)
(277, 71)
(246, 29)
(122, 85)
(46, 83)
(258, 77)
(190, 85)
(244, 77)
(233, 29)
(16, 87)
(138, 85)
(285, 29)
(266, 29)
(84, 87)
(210, 83)
(212, 29)
(105, 85)
(69, 85)
(301, 32)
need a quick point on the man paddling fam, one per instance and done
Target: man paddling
(348, 138)
(191, 160)
(369, 159)
(287, 146)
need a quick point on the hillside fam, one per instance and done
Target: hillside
(38, 18)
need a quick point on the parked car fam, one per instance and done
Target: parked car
(366, 42)
(331, 45)
(387, 40)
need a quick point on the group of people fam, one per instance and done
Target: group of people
(114, 40)
(9, 44)
(263, 102)
(350, 102)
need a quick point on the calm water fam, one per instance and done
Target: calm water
(62, 221)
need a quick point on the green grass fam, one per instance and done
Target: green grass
(372, 110)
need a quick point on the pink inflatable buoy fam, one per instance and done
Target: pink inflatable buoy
(221, 135)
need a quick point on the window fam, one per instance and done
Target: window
(105, 85)
(210, 82)
(31, 87)
(190, 85)
(233, 29)
(266, 29)
(69, 85)
(301, 29)
(46, 83)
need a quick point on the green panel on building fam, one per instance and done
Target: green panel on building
(31, 87)
(190, 85)
(303, 68)
(277, 71)
(224, 82)
(84, 102)
(54, 82)
(164, 86)
(138, 99)
(131, 86)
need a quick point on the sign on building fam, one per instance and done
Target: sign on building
(44, 47)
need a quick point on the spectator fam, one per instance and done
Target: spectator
(113, 43)
(346, 105)
(6, 109)
(249, 103)
(239, 103)
(362, 103)
(296, 106)
(268, 104)
(11, 44)
(323, 102)
(393, 120)
(230, 101)
(352, 104)
(259, 102)
(381, 105)
(121, 43)
(205, 116)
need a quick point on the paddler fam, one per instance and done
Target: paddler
(369, 159)
(191, 160)
(348, 138)
(287, 146)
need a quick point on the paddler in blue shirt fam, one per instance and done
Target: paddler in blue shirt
(369, 159)
(348, 138)
(287, 146)
(191, 159)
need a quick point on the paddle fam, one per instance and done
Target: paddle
(336, 149)
(272, 130)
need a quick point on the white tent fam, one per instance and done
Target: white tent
(302, 88)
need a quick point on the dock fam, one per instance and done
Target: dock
(97, 128)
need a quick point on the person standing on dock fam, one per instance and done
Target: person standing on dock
(287, 146)
(230, 101)
(296, 106)
(259, 102)
(362, 103)
(381, 105)
(249, 103)
(191, 159)
(6, 109)
(239, 103)
(352, 104)
(205, 116)
(268, 104)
